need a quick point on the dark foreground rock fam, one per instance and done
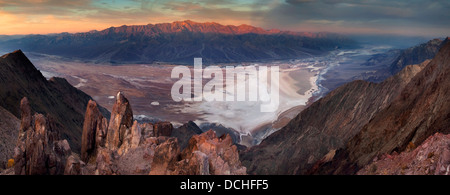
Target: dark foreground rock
(123, 148)
(39, 150)
(432, 157)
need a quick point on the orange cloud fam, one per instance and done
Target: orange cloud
(43, 24)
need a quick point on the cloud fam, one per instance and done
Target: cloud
(425, 17)
(421, 16)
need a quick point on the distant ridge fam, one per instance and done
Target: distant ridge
(179, 42)
(207, 27)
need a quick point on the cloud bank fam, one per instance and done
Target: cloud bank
(407, 17)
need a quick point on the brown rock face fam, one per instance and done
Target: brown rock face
(432, 157)
(166, 155)
(105, 162)
(205, 155)
(133, 137)
(185, 132)
(197, 164)
(74, 166)
(136, 135)
(121, 121)
(94, 131)
(39, 150)
(222, 155)
(26, 115)
(162, 129)
(146, 130)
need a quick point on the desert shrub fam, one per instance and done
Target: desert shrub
(10, 163)
(411, 146)
(373, 169)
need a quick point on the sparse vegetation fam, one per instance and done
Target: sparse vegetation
(373, 169)
(10, 163)
(411, 146)
(404, 167)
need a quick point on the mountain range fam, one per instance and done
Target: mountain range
(179, 42)
(396, 59)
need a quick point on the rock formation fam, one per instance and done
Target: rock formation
(94, 131)
(39, 150)
(120, 123)
(147, 148)
(162, 129)
(220, 152)
(185, 132)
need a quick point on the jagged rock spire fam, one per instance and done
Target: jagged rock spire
(94, 131)
(120, 123)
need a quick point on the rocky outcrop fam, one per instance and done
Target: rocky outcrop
(94, 131)
(205, 154)
(162, 129)
(39, 150)
(220, 152)
(166, 155)
(432, 157)
(147, 148)
(122, 146)
(120, 123)
(185, 132)
(55, 97)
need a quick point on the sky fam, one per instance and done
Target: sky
(407, 17)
